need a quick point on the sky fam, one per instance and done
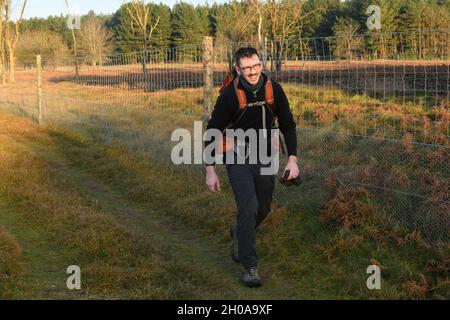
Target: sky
(45, 8)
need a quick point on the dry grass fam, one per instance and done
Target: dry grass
(141, 122)
(11, 264)
(348, 207)
(313, 105)
(292, 243)
(357, 222)
(101, 242)
(116, 262)
(117, 259)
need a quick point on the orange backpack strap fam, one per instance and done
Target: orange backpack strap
(269, 94)
(227, 81)
(240, 94)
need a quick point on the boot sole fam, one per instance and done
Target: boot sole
(252, 284)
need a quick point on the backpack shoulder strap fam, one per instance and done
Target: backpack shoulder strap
(240, 94)
(242, 98)
(226, 81)
(269, 94)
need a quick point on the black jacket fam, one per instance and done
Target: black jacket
(227, 108)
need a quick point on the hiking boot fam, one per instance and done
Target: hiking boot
(234, 246)
(251, 278)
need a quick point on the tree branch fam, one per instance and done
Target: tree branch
(16, 37)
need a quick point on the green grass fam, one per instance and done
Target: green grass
(43, 264)
(293, 244)
(125, 248)
(142, 228)
(71, 104)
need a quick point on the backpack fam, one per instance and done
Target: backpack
(227, 143)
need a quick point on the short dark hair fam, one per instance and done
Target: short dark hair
(246, 52)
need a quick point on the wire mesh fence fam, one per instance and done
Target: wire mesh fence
(372, 111)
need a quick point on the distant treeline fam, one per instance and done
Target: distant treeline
(279, 25)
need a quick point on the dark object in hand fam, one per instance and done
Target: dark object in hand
(289, 183)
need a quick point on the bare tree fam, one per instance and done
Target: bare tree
(347, 41)
(2, 44)
(233, 34)
(49, 44)
(10, 38)
(139, 13)
(95, 40)
(434, 18)
(285, 16)
(74, 39)
(260, 14)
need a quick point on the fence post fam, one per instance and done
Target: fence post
(39, 88)
(207, 76)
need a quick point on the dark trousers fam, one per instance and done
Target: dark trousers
(253, 195)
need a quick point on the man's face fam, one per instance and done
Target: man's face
(250, 68)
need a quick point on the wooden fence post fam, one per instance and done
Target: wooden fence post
(208, 62)
(39, 88)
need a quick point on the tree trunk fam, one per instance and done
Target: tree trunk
(349, 50)
(2, 66)
(272, 54)
(2, 71)
(265, 56)
(278, 56)
(7, 39)
(2, 48)
(144, 63)
(12, 65)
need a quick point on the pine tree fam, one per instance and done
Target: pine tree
(225, 19)
(382, 43)
(347, 43)
(125, 32)
(321, 16)
(189, 25)
(160, 40)
(428, 18)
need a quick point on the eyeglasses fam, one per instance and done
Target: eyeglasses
(255, 67)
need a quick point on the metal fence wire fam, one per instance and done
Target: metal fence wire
(372, 110)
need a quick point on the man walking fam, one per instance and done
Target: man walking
(251, 102)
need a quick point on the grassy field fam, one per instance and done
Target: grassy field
(94, 187)
(140, 228)
(386, 99)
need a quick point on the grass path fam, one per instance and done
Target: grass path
(45, 262)
(141, 229)
(205, 259)
(205, 255)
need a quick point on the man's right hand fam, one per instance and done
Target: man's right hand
(212, 180)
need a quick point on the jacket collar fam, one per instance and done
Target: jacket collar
(250, 88)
